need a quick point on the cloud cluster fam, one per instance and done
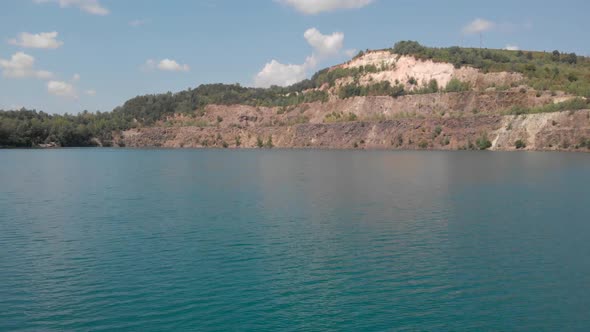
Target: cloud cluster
(512, 47)
(276, 73)
(324, 46)
(312, 7)
(171, 65)
(165, 65)
(89, 6)
(478, 25)
(67, 89)
(45, 40)
(22, 65)
(61, 89)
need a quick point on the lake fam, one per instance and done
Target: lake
(267, 240)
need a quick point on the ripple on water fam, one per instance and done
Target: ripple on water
(156, 240)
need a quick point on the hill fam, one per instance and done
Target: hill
(399, 92)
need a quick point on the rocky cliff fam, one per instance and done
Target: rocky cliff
(426, 122)
(477, 118)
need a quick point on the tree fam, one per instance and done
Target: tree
(408, 47)
(456, 85)
(269, 144)
(520, 144)
(571, 58)
(483, 143)
(529, 55)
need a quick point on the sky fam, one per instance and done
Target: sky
(66, 56)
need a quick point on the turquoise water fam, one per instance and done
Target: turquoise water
(152, 240)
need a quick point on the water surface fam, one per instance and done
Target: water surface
(149, 240)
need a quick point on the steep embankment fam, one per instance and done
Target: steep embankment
(408, 96)
(397, 69)
(550, 131)
(388, 101)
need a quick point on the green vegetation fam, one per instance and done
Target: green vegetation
(377, 89)
(330, 76)
(26, 128)
(544, 71)
(269, 144)
(520, 144)
(29, 128)
(568, 105)
(340, 117)
(456, 85)
(150, 108)
(483, 143)
(437, 131)
(299, 119)
(431, 87)
(385, 88)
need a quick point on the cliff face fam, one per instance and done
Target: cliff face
(399, 69)
(458, 120)
(547, 131)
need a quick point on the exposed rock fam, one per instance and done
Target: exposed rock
(416, 121)
(395, 68)
(550, 131)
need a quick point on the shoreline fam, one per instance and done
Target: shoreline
(579, 150)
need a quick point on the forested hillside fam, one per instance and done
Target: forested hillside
(542, 71)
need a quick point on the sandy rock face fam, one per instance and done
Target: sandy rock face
(366, 108)
(396, 68)
(546, 131)
(416, 121)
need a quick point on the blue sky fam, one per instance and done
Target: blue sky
(107, 51)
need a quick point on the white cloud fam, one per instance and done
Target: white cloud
(76, 77)
(311, 7)
(61, 89)
(511, 47)
(138, 23)
(90, 6)
(171, 65)
(22, 65)
(277, 73)
(324, 45)
(90, 92)
(478, 25)
(165, 65)
(40, 40)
